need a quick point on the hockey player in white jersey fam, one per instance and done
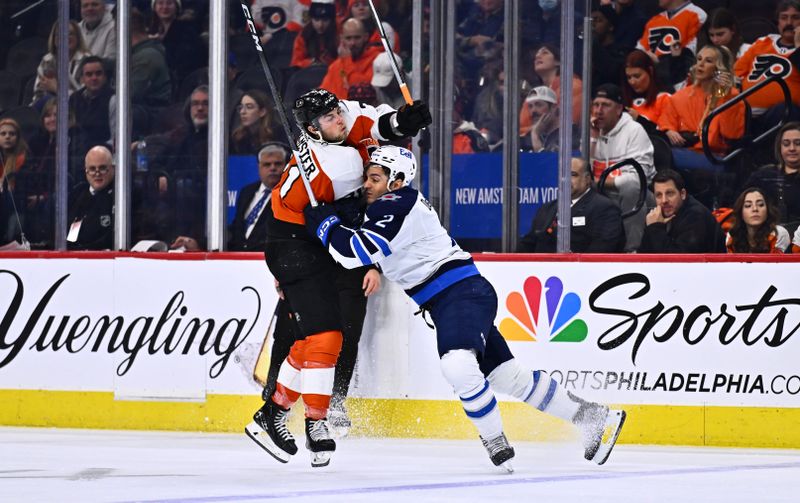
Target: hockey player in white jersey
(402, 233)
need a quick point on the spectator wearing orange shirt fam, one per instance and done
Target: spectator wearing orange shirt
(547, 65)
(640, 91)
(685, 112)
(354, 68)
(774, 54)
(318, 42)
(670, 38)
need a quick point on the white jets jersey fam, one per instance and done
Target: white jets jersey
(402, 233)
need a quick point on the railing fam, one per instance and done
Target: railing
(601, 183)
(787, 99)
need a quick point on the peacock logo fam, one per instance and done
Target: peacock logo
(524, 323)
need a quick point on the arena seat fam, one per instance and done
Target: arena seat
(23, 57)
(9, 90)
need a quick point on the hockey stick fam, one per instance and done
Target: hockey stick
(302, 154)
(397, 75)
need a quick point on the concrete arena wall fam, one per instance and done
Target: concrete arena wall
(700, 350)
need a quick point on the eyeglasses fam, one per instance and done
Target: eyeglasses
(199, 103)
(246, 106)
(94, 170)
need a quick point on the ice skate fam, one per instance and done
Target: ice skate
(338, 421)
(319, 442)
(268, 429)
(600, 428)
(499, 451)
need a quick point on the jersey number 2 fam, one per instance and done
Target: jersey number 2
(385, 220)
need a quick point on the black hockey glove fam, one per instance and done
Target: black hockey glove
(351, 210)
(412, 118)
(320, 220)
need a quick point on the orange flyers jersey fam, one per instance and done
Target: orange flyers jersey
(764, 59)
(652, 111)
(662, 31)
(362, 124)
(334, 171)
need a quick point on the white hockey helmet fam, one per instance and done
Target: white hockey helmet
(397, 160)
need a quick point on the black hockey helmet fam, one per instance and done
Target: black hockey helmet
(312, 104)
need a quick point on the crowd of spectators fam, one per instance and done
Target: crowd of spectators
(659, 68)
(659, 72)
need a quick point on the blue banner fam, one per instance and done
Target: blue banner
(242, 170)
(476, 202)
(476, 192)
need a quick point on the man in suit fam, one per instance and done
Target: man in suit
(91, 208)
(596, 220)
(248, 231)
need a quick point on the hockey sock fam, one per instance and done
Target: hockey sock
(287, 386)
(536, 388)
(316, 375)
(460, 368)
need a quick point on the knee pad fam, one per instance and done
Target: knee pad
(460, 369)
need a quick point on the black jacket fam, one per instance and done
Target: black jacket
(596, 227)
(92, 126)
(96, 213)
(238, 227)
(783, 189)
(693, 230)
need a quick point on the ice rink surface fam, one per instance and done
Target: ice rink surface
(46, 465)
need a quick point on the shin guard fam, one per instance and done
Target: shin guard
(535, 388)
(316, 377)
(460, 368)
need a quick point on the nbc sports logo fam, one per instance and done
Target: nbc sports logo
(527, 320)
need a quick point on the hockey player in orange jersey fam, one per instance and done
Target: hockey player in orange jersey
(332, 154)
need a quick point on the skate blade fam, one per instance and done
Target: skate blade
(260, 437)
(507, 466)
(613, 426)
(320, 459)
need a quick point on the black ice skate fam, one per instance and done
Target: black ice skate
(319, 442)
(269, 430)
(600, 428)
(338, 421)
(499, 451)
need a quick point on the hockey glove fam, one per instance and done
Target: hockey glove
(412, 118)
(351, 210)
(320, 220)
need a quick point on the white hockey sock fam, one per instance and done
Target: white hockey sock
(460, 368)
(535, 388)
(289, 376)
